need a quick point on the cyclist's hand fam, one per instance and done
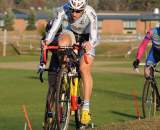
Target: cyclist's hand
(41, 68)
(136, 64)
(44, 43)
(87, 46)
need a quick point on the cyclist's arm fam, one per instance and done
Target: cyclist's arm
(93, 27)
(56, 25)
(143, 45)
(41, 53)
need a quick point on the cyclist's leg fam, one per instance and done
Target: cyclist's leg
(85, 70)
(52, 76)
(66, 38)
(53, 73)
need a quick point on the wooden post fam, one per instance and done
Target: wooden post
(4, 42)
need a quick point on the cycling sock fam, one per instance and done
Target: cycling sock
(86, 105)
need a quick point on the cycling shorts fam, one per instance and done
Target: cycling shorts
(153, 57)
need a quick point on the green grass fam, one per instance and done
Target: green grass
(111, 101)
(20, 87)
(19, 58)
(112, 97)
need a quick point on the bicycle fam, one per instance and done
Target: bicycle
(68, 95)
(150, 95)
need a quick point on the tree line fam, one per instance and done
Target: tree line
(100, 5)
(31, 6)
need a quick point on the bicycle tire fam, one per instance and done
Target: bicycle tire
(149, 99)
(62, 101)
(49, 118)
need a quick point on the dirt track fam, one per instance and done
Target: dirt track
(19, 65)
(96, 68)
(153, 124)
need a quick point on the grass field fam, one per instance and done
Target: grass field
(112, 99)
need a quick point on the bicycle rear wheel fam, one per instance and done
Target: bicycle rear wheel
(149, 99)
(62, 101)
(49, 119)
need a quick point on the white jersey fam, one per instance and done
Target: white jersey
(86, 24)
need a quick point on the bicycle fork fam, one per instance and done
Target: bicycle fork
(73, 90)
(157, 92)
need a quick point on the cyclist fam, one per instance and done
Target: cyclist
(81, 29)
(154, 54)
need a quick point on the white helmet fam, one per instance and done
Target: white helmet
(78, 4)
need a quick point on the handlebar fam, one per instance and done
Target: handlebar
(152, 66)
(46, 47)
(77, 47)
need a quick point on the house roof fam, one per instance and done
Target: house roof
(42, 15)
(129, 16)
(23, 15)
(121, 17)
(20, 14)
(150, 16)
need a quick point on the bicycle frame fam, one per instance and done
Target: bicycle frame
(73, 84)
(74, 89)
(73, 78)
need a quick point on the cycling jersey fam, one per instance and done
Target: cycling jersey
(86, 24)
(154, 36)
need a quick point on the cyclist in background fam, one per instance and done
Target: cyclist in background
(154, 54)
(81, 29)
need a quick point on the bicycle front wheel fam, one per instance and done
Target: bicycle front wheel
(49, 120)
(149, 99)
(62, 101)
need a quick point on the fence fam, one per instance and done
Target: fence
(22, 43)
(30, 42)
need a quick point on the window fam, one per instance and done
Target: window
(1, 23)
(99, 24)
(129, 25)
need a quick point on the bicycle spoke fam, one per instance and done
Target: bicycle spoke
(49, 122)
(149, 100)
(62, 102)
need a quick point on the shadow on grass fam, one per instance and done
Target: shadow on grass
(117, 94)
(34, 77)
(125, 115)
(37, 77)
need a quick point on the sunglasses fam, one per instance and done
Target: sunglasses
(76, 11)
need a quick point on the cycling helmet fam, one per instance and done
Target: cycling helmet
(78, 4)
